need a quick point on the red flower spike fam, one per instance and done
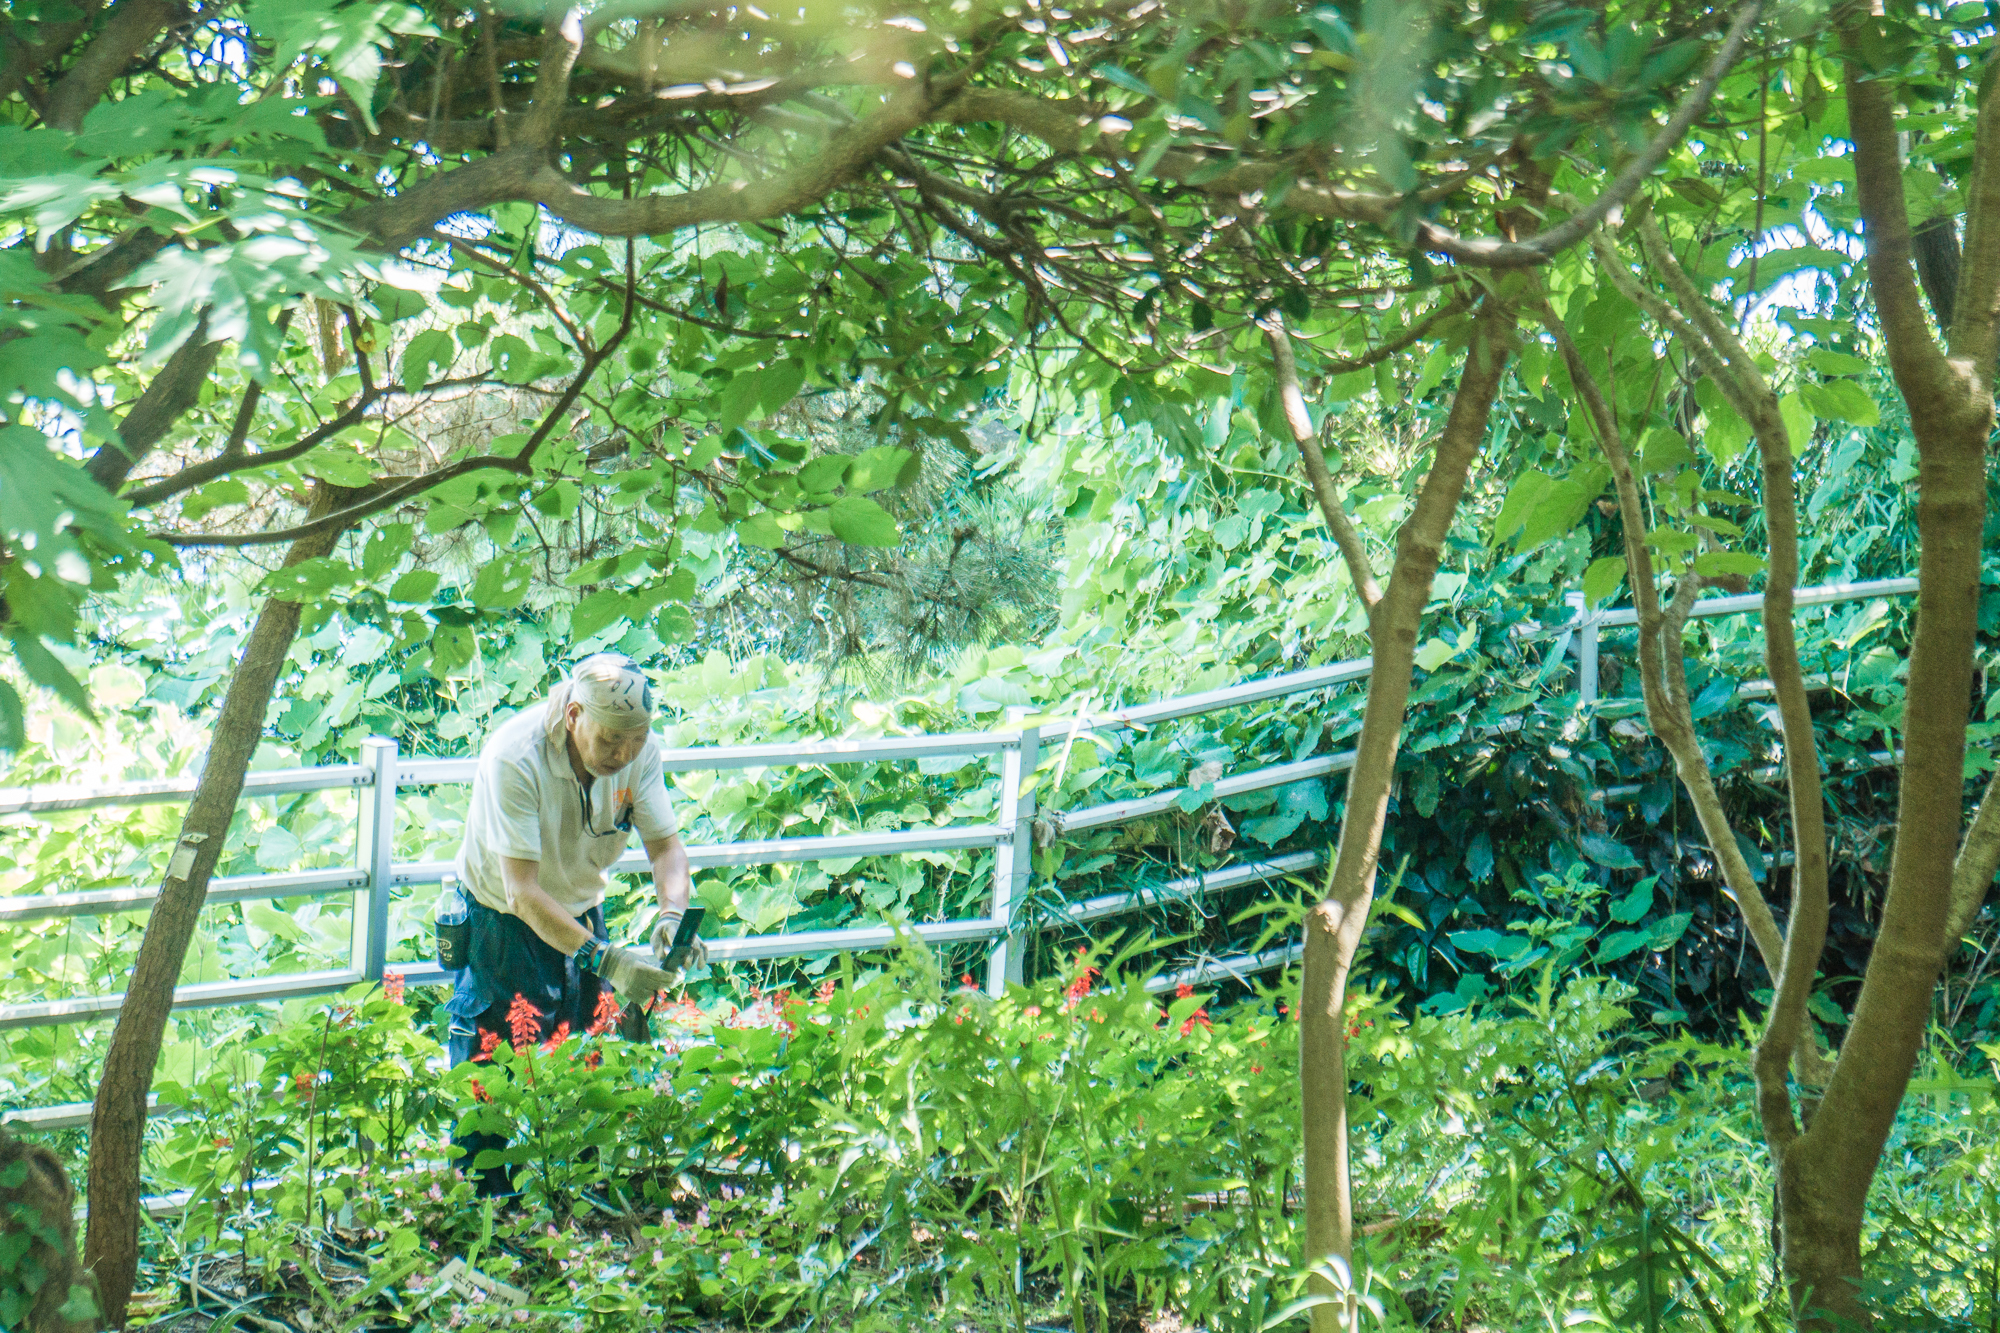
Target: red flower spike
(593, 1059)
(524, 1022)
(392, 986)
(965, 979)
(479, 1092)
(605, 1017)
(1182, 991)
(488, 1039)
(556, 1038)
(825, 991)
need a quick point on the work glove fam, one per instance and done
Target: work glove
(694, 955)
(635, 979)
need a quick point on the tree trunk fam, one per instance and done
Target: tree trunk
(118, 1118)
(1333, 930)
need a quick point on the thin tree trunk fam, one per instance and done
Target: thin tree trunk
(118, 1117)
(1333, 930)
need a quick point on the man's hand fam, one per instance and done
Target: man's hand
(695, 953)
(635, 979)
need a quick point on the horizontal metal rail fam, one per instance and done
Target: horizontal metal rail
(267, 782)
(777, 754)
(222, 889)
(1819, 595)
(1208, 701)
(1239, 968)
(1139, 807)
(76, 1115)
(1188, 888)
(202, 995)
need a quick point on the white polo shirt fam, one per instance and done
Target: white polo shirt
(528, 804)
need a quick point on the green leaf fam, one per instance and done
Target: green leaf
(1607, 852)
(452, 646)
(415, 586)
(779, 385)
(433, 348)
(825, 473)
(1840, 400)
(1667, 931)
(1717, 564)
(859, 521)
(1603, 578)
(1798, 422)
(761, 529)
(598, 610)
(1621, 943)
(501, 584)
(1634, 905)
(882, 467)
(1829, 362)
(341, 466)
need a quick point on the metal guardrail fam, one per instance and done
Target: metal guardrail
(382, 772)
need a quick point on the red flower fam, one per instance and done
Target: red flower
(593, 1059)
(524, 1022)
(488, 1039)
(1256, 1069)
(1073, 993)
(1032, 1011)
(479, 1092)
(1095, 1016)
(825, 991)
(965, 979)
(1198, 1016)
(1182, 991)
(392, 986)
(305, 1084)
(605, 1017)
(556, 1038)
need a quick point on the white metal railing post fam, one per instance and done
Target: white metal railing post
(375, 851)
(1586, 647)
(1013, 855)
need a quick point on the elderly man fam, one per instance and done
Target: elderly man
(559, 791)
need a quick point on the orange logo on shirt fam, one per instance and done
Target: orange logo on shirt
(620, 798)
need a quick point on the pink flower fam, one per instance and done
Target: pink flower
(392, 986)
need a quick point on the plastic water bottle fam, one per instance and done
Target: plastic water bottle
(454, 926)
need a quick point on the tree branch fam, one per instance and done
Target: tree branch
(395, 493)
(1978, 860)
(133, 26)
(1352, 548)
(172, 392)
(561, 44)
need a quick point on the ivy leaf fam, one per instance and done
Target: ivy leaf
(859, 521)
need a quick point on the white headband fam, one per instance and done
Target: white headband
(611, 690)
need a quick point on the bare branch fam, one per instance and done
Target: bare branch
(1978, 860)
(1352, 548)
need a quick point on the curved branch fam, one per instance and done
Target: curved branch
(387, 497)
(523, 174)
(1352, 548)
